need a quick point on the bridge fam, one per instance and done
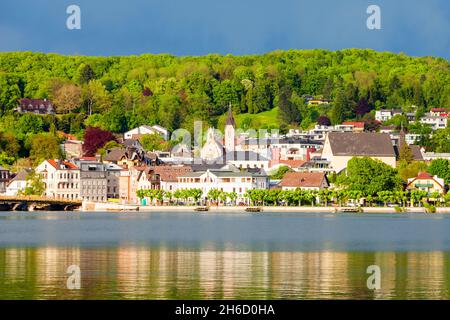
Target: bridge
(33, 203)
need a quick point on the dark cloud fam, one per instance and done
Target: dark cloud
(416, 27)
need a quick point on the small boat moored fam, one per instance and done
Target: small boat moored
(201, 209)
(350, 210)
(253, 209)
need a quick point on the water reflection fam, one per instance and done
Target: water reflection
(142, 272)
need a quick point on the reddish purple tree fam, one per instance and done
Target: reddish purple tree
(324, 121)
(372, 125)
(94, 139)
(362, 107)
(147, 92)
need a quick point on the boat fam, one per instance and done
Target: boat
(202, 209)
(253, 209)
(350, 210)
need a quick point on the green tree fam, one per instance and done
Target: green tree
(96, 97)
(233, 197)
(406, 153)
(280, 173)
(441, 140)
(369, 176)
(214, 195)
(152, 142)
(410, 170)
(85, 73)
(342, 107)
(44, 146)
(440, 168)
(35, 186)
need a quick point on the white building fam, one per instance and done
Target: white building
(227, 180)
(61, 178)
(161, 177)
(340, 148)
(18, 183)
(436, 122)
(385, 115)
(142, 130)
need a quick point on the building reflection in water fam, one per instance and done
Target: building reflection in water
(134, 272)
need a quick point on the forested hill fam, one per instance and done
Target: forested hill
(117, 93)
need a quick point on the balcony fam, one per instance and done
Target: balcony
(423, 185)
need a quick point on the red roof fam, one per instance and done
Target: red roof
(438, 110)
(355, 124)
(303, 179)
(424, 175)
(67, 136)
(68, 164)
(289, 163)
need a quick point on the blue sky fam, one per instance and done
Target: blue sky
(198, 27)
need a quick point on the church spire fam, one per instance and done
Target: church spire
(230, 119)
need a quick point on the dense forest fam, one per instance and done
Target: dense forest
(118, 93)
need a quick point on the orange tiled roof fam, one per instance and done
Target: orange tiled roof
(302, 179)
(68, 164)
(67, 136)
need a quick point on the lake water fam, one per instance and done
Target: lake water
(224, 256)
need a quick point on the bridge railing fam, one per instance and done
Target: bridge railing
(39, 199)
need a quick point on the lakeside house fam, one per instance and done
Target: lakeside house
(425, 182)
(227, 179)
(341, 147)
(61, 178)
(304, 181)
(18, 183)
(161, 177)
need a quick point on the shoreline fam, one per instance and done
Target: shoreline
(115, 207)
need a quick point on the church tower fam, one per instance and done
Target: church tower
(230, 138)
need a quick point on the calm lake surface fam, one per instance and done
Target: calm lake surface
(224, 256)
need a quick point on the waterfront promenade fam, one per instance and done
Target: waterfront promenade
(115, 207)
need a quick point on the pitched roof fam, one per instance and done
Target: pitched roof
(35, 102)
(303, 179)
(292, 163)
(417, 154)
(230, 119)
(424, 176)
(56, 164)
(21, 176)
(361, 144)
(115, 154)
